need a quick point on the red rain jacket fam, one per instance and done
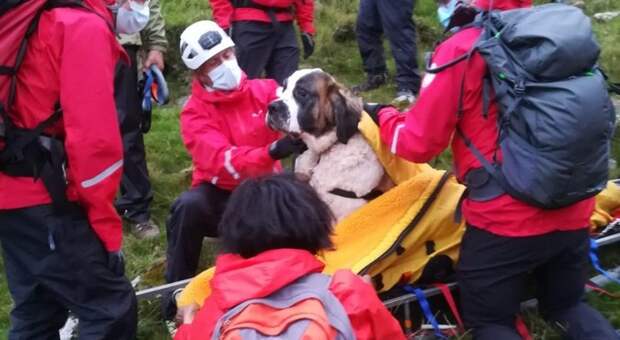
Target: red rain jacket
(226, 135)
(303, 11)
(237, 279)
(428, 128)
(71, 59)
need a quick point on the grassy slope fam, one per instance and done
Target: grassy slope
(167, 156)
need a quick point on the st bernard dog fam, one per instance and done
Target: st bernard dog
(339, 163)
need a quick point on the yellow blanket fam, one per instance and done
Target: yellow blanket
(607, 202)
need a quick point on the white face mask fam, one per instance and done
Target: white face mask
(133, 19)
(227, 76)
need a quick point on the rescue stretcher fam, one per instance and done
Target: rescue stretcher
(406, 236)
(403, 304)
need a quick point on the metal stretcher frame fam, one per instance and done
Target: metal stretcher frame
(405, 299)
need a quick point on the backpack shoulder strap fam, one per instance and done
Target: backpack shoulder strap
(437, 69)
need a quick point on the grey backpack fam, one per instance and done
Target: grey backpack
(305, 309)
(555, 117)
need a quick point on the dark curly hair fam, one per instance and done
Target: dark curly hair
(276, 211)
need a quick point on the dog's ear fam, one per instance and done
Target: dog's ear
(347, 111)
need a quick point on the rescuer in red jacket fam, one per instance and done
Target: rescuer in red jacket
(264, 34)
(505, 238)
(61, 257)
(223, 127)
(271, 232)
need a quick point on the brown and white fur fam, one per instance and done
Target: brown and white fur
(313, 106)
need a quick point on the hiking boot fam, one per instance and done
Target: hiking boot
(145, 230)
(404, 97)
(372, 82)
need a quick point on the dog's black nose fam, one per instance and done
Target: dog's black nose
(278, 115)
(275, 107)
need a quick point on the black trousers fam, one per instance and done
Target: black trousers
(55, 263)
(492, 273)
(193, 215)
(136, 194)
(394, 19)
(263, 48)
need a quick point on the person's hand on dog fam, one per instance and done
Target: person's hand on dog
(286, 146)
(373, 110)
(308, 41)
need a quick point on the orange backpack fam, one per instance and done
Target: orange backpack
(305, 309)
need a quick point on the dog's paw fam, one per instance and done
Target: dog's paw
(306, 162)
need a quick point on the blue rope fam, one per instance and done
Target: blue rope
(426, 309)
(597, 264)
(147, 95)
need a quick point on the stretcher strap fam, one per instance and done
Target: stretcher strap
(522, 328)
(447, 294)
(426, 309)
(594, 287)
(597, 264)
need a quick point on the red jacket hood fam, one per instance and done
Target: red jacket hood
(502, 4)
(218, 96)
(237, 279)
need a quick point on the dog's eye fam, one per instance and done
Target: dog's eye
(301, 93)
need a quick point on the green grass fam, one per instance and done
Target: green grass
(167, 156)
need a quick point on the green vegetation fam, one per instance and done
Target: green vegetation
(336, 53)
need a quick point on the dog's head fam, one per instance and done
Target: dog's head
(312, 101)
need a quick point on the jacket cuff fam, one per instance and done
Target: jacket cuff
(307, 28)
(112, 238)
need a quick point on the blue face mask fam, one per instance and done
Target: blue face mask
(444, 13)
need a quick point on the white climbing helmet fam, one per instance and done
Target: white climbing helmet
(201, 41)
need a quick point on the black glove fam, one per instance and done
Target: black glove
(286, 146)
(373, 110)
(116, 262)
(308, 42)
